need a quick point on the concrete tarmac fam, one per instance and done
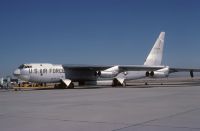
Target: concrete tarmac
(174, 107)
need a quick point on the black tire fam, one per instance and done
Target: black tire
(71, 86)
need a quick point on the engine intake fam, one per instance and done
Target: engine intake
(149, 74)
(162, 73)
(105, 74)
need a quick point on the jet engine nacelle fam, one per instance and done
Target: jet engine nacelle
(162, 73)
(105, 74)
(108, 73)
(150, 74)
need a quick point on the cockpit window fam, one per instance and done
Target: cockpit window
(21, 66)
(24, 66)
(28, 66)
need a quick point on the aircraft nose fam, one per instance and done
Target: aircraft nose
(16, 72)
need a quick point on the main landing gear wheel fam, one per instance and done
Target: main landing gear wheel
(64, 86)
(124, 84)
(71, 86)
(116, 83)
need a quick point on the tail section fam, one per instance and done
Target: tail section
(155, 56)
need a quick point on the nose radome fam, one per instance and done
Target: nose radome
(16, 72)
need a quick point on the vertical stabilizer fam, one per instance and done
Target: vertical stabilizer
(155, 56)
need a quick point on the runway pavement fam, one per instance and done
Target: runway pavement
(173, 106)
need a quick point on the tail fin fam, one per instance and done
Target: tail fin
(155, 56)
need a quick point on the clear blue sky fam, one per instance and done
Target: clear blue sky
(97, 31)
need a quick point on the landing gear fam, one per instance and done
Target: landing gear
(117, 83)
(71, 86)
(63, 86)
(124, 84)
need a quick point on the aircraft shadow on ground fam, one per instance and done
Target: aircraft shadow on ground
(129, 85)
(153, 85)
(182, 84)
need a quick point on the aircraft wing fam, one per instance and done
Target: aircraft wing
(122, 68)
(172, 70)
(139, 68)
(87, 67)
(128, 68)
(154, 68)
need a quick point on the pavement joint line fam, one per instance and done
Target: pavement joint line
(171, 126)
(156, 119)
(65, 120)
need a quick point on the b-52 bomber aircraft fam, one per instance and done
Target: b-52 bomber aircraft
(92, 74)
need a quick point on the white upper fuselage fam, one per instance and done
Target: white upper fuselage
(40, 72)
